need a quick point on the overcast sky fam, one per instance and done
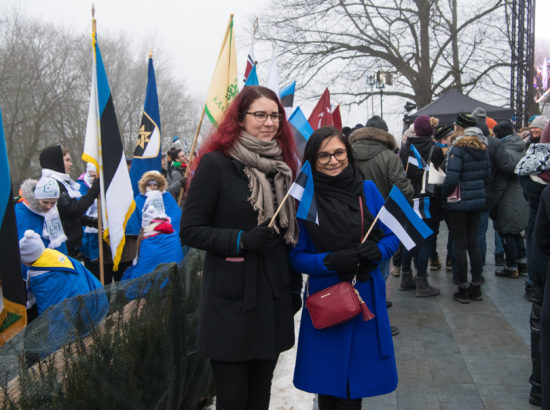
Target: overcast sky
(190, 32)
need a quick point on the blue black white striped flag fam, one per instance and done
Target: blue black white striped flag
(301, 129)
(147, 153)
(402, 220)
(303, 191)
(252, 78)
(415, 158)
(422, 207)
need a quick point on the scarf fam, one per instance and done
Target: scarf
(535, 162)
(337, 198)
(53, 229)
(262, 159)
(72, 187)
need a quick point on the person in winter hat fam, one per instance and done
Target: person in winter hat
(53, 276)
(535, 130)
(72, 205)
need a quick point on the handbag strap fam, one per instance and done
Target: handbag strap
(430, 155)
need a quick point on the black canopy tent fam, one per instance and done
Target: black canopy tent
(446, 108)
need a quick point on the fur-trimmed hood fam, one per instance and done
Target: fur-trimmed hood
(27, 192)
(470, 141)
(152, 176)
(374, 134)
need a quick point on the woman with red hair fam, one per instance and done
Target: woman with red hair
(249, 293)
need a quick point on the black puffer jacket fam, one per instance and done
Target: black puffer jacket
(468, 164)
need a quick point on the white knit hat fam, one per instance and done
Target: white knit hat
(539, 122)
(90, 167)
(47, 188)
(31, 247)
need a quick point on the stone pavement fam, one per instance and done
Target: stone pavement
(455, 356)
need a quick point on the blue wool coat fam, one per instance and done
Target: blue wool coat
(468, 164)
(55, 277)
(357, 352)
(27, 219)
(163, 248)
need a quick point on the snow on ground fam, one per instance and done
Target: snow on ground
(284, 396)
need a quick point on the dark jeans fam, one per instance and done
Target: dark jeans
(464, 228)
(336, 403)
(514, 248)
(243, 385)
(421, 256)
(482, 235)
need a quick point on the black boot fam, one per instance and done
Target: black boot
(424, 289)
(462, 295)
(475, 292)
(407, 281)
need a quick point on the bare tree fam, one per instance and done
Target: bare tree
(45, 91)
(431, 45)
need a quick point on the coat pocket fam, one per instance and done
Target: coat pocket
(228, 276)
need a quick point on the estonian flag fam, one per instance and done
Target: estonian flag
(286, 94)
(415, 158)
(103, 136)
(301, 129)
(422, 207)
(302, 190)
(402, 220)
(147, 154)
(252, 78)
(13, 317)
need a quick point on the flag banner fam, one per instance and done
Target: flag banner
(249, 60)
(321, 116)
(337, 118)
(422, 207)
(223, 87)
(415, 158)
(402, 220)
(147, 153)
(301, 130)
(252, 77)
(103, 147)
(13, 317)
(286, 95)
(302, 190)
(273, 77)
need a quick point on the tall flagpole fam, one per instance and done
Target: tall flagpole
(100, 175)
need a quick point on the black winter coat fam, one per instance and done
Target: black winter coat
(502, 163)
(246, 309)
(468, 164)
(532, 190)
(71, 212)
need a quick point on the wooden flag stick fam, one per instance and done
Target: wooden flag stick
(371, 227)
(192, 153)
(278, 210)
(100, 241)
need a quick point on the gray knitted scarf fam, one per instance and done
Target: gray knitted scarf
(262, 158)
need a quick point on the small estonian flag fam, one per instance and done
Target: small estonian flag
(422, 207)
(301, 129)
(415, 158)
(402, 220)
(302, 190)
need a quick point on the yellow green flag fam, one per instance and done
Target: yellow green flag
(223, 87)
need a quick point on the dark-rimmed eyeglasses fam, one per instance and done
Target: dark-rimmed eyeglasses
(262, 116)
(339, 155)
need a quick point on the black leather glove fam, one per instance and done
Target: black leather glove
(345, 261)
(369, 251)
(365, 268)
(258, 238)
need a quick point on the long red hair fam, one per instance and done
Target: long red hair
(229, 129)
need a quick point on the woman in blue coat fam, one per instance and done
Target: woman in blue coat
(347, 362)
(159, 216)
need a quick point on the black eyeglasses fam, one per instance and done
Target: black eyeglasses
(339, 155)
(262, 116)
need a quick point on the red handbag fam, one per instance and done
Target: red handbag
(335, 305)
(338, 303)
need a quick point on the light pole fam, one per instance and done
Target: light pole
(371, 80)
(383, 78)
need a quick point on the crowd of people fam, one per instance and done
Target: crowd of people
(233, 204)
